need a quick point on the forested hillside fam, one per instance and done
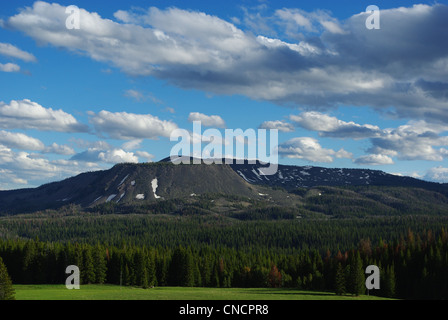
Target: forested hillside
(413, 267)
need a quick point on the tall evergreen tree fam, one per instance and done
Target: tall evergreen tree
(188, 270)
(6, 290)
(100, 262)
(339, 284)
(356, 280)
(389, 282)
(88, 268)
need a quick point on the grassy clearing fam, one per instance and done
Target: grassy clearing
(111, 292)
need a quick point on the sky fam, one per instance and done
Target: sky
(344, 86)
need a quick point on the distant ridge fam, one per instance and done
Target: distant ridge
(293, 177)
(137, 184)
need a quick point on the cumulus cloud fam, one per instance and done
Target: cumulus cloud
(24, 168)
(207, 121)
(278, 125)
(96, 144)
(417, 140)
(132, 145)
(437, 174)
(130, 126)
(145, 156)
(374, 160)
(294, 19)
(20, 141)
(9, 180)
(309, 149)
(9, 67)
(341, 63)
(174, 37)
(329, 126)
(7, 49)
(59, 149)
(117, 156)
(108, 156)
(303, 48)
(25, 114)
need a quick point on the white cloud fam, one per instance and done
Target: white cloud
(309, 149)
(117, 156)
(278, 125)
(437, 174)
(132, 145)
(207, 121)
(9, 180)
(130, 126)
(25, 114)
(329, 126)
(97, 144)
(417, 140)
(20, 141)
(145, 155)
(174, 37)
(304, 48)
(332, 26)
(374, 160)
(9, 67)
(295, 18)
(195, 50)
(9, 50)
(109, 156)
(21, 167)
(59, 149)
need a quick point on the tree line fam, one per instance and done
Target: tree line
(412, 267)
(286, 236)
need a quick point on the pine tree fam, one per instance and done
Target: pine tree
(188, 270)
(99, 257)
(356, 281)
(6, 290)
(151, 269)
(175, 268)
(88, 269)
(340, 280)
(389, 283)
(127, 276)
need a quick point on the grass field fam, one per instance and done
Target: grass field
(110, 292)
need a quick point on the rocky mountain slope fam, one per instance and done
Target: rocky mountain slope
(313, 189)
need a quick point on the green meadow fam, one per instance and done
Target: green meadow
(112, 292)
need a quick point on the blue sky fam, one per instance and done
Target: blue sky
(340, 94)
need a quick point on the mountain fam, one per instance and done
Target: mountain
(128, 184)
(293, 177)
(234, 188)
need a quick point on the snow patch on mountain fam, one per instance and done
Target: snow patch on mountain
(109, 199)
(121, 197)
(155, 185)
(124, 179)
(244, 177)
